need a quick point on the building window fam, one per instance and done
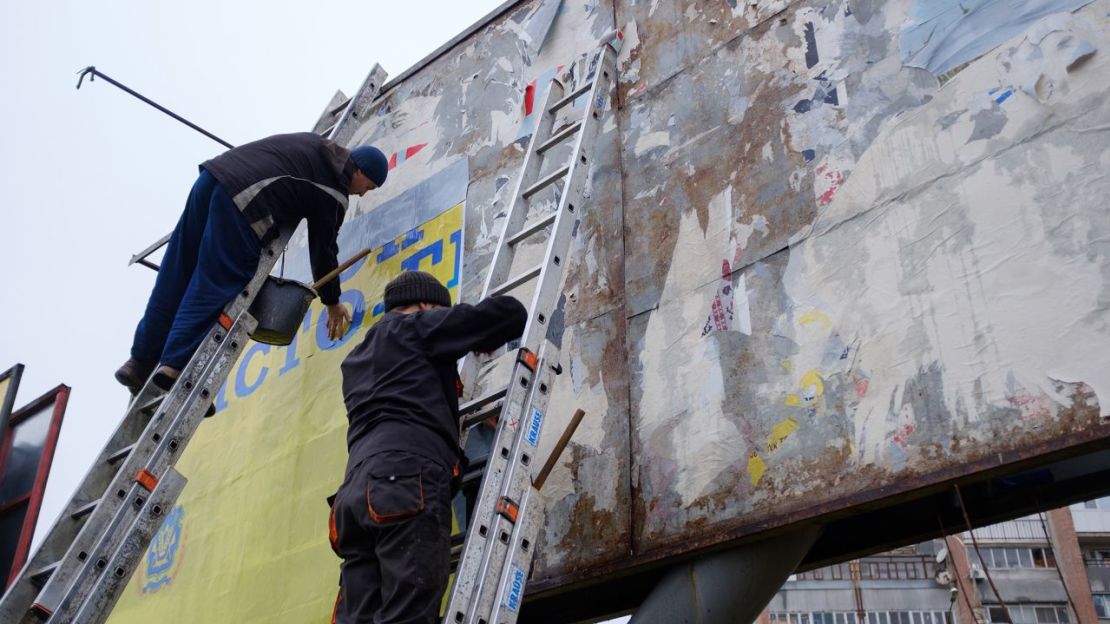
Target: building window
(1037, 557)
(876, 569)
(814, 617)
(1102, 606)
(1098, 557)
(1028, 614)
(851, 617)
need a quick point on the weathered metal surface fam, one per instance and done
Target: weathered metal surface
(813, 274)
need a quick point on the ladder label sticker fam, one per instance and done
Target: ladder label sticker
(533, 436)
(516, 589)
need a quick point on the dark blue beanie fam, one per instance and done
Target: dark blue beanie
(372, 162)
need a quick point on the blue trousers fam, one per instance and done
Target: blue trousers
(211, 256)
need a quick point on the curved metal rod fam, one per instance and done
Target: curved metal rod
(92, 72)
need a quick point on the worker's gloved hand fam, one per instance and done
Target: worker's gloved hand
(339, 318)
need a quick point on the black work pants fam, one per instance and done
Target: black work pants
(391, 524)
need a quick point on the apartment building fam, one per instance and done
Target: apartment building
(1050, 568)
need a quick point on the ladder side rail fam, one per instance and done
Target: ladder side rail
(81, 536)
(168, 432)
(479, 530)
(492, 568)
(342, 130)
(66, 527)
(514, 576)
(98, 605)
(515, 485)
(548, 285)
(488, 562)
(80, 540)
(180, 423)
(86, 547)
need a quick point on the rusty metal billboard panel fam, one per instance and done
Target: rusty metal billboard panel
(827, 259)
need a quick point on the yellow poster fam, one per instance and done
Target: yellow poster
(248, 539)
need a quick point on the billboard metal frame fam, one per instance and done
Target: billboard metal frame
(58, 398)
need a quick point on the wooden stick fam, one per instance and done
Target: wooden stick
(343, 267)
(558, 450)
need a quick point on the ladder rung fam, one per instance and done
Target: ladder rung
(546, 181)
(478, 416)
(151, 405)
(572, 96)
(475, 471)
(120, 454)
(485, 399)
(523, 278)
(531, 229)
(40, 576)
(558, 137)
(85, 509)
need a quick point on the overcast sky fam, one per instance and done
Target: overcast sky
(92, 176)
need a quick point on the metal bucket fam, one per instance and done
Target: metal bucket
(279, 308)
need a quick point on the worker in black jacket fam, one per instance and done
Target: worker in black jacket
(391, 518)
(237, 205)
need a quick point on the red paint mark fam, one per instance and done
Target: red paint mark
(834, 179)
(901, 436)
(861, 387)
(400, 157)
(529, 98)
(1031, 405)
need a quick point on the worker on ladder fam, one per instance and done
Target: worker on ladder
(391, 518)
(238, 204)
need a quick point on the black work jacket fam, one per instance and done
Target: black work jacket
(399, 384)
(279, 180)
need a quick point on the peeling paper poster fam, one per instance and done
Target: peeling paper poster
(942, 34)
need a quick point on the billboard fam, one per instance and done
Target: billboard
(828, 268)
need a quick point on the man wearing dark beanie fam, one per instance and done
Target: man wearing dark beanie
(237, 205)
(391, 518)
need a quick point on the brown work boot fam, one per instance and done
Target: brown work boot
(165, 377)
(133, 374)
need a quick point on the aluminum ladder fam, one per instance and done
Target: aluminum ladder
(82, 566)
(496, 556)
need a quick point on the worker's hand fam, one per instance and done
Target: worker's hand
(339, 318)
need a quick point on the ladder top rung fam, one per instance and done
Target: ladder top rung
(572, 96)
(546, 181)
(559, 137)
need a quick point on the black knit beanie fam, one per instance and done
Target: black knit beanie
(415, 287)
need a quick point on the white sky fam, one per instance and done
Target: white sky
(91, 176)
